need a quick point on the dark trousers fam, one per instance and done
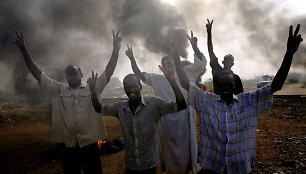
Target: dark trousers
(205, 171)
(146, 171)
(88, 157)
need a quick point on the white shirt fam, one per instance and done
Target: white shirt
(74, 120)
(177, 132)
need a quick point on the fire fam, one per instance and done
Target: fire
(100, 143)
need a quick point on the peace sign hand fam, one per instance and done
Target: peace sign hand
(19, 41)
(116, 40)
(168, 72)
(209, 25)
(92, 81)
(294, 40)
(193, 40)
(129, 52)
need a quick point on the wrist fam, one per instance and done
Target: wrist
(290, 52)
(116, 48)
(22, 46)
(171, 80)
(195, 47)
(92, 91)
(196, 50)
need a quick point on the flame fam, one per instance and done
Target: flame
(100, 143)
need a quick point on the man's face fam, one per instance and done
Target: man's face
(167, 63)
(226, 84)
(74, 76)
(132, 89)
(228, 61)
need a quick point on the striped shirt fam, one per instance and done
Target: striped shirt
(228, 133)
(139, 129)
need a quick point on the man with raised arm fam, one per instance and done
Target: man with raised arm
(176, 132)
(227, 121)
(138, 118)
(74, 122)
(227, 62)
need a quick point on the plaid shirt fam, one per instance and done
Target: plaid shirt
(139, 129)
(228, 133)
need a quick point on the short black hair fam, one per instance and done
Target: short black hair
(225, 72)
(229, 56)
(131, 76)
(165, 58)
(72, 66)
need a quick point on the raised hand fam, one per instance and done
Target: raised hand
(19, 41)
(209, 25)
(129, 52)
(193, 40)
(168, 72)
(194, 43)
(92, 81)
(116, 40)
(294, 40)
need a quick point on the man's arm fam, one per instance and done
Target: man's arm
(198, 67)
(194, 43)
(213, 57)
(94, 98)
(135, 68)
(293, 44)
(179, 69)
(110, 67)
(33, 68)
(107, 110)
(180, 101)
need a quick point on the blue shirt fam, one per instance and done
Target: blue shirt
(228, 133)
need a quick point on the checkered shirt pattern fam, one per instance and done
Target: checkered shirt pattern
(228, 133)
(139, 129)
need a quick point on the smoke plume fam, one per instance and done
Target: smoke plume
(253, 31)
(59, 33)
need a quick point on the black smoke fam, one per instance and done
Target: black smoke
(59, 33)
(268, 26)
(154, 22)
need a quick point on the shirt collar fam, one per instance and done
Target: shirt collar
(126, 104)
(79, 87)
(235, 97)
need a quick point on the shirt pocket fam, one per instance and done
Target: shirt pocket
(66, 100)
(84, 100)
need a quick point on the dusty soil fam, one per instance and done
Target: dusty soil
(25, 130)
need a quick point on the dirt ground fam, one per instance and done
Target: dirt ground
(25, 131)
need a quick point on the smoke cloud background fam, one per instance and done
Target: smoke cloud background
(254, 32)
(59, 33)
